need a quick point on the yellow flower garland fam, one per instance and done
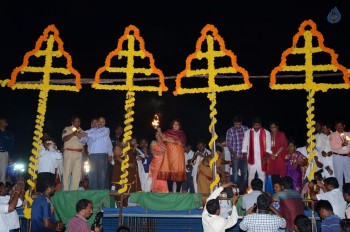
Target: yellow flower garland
(131, 37)
(308, 50)
(209, 35)
(4, 82)
(49, 37)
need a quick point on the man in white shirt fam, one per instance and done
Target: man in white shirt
(341, 150)
(225, 156)
(100, 152)
(332, 193)
(324, 152)
(249, 199)
(256, 148)
(48, 160)
(8, 216)
(211, 219)
(143, 162)
(187, 186)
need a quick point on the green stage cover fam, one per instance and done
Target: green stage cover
(64, 203)
(167, 201)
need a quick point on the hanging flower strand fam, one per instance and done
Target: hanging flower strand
(135, 50)
(48, 40)
(209, 36)
(309, 67)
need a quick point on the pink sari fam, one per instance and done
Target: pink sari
(158, 152)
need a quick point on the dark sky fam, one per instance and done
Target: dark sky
(256, 31)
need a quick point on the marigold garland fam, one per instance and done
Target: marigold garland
(308, 50)
(211, 165)
(3, 83)
(209, 35)
(47, 40)
(132, 38)
(211, 70)
(49, 36)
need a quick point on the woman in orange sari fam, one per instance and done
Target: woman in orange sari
(158, 152)
(173, 165)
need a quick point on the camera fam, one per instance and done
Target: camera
(230, 191)
(97, 220)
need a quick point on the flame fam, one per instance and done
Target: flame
(347, 138)
(155, 122)
(86, 166)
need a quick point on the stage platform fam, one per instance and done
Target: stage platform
(141, 219)
(154, 212)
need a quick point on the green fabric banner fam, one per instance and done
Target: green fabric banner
(64, 203)
(167, 201)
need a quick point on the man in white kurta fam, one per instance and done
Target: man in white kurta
(256, 148)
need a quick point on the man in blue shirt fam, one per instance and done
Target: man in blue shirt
(43, 218)
(100, 152)
(330, 221)
(6, 148)
(234, 142)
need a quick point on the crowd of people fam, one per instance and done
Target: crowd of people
(265, 165)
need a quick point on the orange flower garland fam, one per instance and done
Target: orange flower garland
(132, 38)
(210, 36)
(308, 50)
(49, 37)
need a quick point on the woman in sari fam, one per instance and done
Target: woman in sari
(173, 165)
(205, 173)
(279, 143)
(276, 168)
(158, 152)
(295, 161)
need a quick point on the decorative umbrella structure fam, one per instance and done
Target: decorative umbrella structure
(211, 47)
(131, 61)
(57, 63)
(304, 44)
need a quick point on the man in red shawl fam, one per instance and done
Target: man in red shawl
(256, 148)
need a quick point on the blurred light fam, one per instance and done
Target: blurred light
(19, 167)
(249, 190)
(86, 166)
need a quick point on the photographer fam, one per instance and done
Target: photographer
(211, 219)
(78, 222)
(262, 219)
(8, 216)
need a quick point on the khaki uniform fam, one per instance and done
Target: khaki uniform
(72, 160)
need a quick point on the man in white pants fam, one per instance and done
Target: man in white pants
(256, 148)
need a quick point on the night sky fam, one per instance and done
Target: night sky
(256, 31)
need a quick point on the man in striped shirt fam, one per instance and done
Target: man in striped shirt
(330, 221)
(78, 222)
(234, 141)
